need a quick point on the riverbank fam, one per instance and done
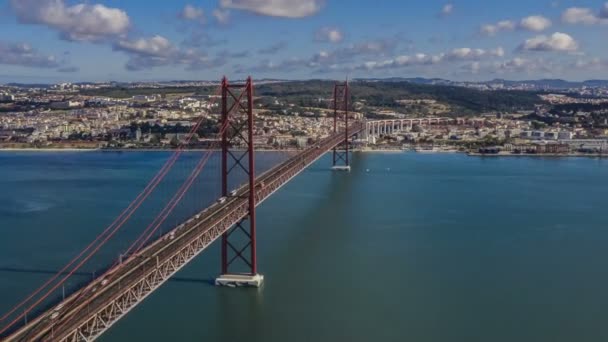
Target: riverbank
(49, 149)
(550, 155)
(126, 150)
(392, 151)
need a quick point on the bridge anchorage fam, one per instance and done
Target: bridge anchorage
(239, 242)
(341, 158)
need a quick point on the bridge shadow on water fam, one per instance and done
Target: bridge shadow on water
(90, 275)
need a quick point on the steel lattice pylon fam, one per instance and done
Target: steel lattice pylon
(239, 243)
(340, 104)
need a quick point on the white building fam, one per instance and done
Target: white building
(7, 98)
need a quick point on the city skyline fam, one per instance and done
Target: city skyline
(49, 41)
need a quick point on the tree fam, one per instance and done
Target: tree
(174, 141)
(154, 139)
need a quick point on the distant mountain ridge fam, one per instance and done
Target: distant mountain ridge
(539, 84)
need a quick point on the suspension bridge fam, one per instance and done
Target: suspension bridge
(152, 259)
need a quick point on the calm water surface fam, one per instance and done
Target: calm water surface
(420, 248)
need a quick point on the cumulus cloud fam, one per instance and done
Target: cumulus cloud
(221, 16)
(535, 23)
(447, 9)
(556, 42)
(590, 64)
(402, 61)
(276, 8)
(192, 13)
(351, 52)
(329, 34)
(155, 46)
(378, 56)
(585, 16)
(455, 55)
(469, 53)
(287, 65)
(324, 61)
(516, 63)
(80, 22)
(147, 53)
(23, 54)
(501, 26)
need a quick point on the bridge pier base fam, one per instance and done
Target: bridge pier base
(345, 168)
(240, 280)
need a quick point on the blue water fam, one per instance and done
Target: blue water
(420, 248)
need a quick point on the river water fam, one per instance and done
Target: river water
(406, 247)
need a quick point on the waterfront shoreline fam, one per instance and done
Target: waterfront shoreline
(122, 150)
(541, 155)
(391, 151)
(49, 149)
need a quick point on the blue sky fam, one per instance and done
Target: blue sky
(101, 40)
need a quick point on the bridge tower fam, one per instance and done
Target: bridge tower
(238, 246)
(341, 158)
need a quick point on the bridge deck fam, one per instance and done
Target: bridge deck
(88, 313)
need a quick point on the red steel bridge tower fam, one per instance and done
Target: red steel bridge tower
(341, 161)
(238, 246)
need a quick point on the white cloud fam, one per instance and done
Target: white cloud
(556, 42)
(501, 26)
(455, 55)
(593, 64)
(516, 64)
(329, 34)
(401, 61)
(221, 16)
(24, 55)
(283, 66)
(325, 61)
(276, 8)
(80, 22)
(351, 52)
(447, 9)
(535, 23)
(468, 53)
(474, 67)
(155, 46)
(192, 13)
(147, 53)
(585, 16)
